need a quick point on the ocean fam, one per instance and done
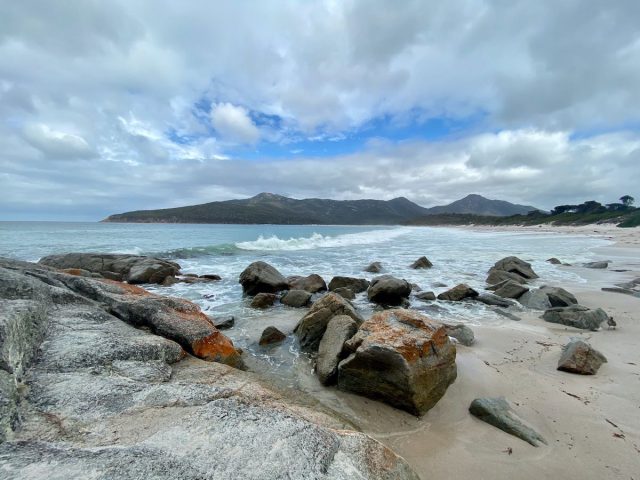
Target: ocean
(458, 256)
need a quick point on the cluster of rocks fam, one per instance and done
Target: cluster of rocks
(99, 379)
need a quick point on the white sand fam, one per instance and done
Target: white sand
(518, 360)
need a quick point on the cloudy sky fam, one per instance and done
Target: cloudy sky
(109, 106)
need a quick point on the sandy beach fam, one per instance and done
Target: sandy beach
(591, 423)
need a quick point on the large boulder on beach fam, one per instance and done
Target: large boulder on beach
(356, 285)
(339, 329)
(457, 293)
(559, 297)
(105, 399)
(500, 277)
(422, 262)
(576, 316)
(401, 358)
(580, 357)
(312, 283)
(511, 289)
(498, 412)
(312, 326)
(511, 268)
(495, 300)
(296, 298)
(129, 268)
(535, 299)
(388, 290)
(260, 277)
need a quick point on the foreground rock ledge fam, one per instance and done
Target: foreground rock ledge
(104, 400)
(402, 358)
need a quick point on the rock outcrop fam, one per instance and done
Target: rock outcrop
(104, 399)
(422, 262)
(296, 298)
(260, 277)
(576, 316)
(388, 290)
(129, 268)
(457, 293)
(580, 357)
(559, 297)
(312, 326)
(271, 335)
(497, 412)
(401, 358)
(312, 283)
(356, 285)
(339, 330)
(511, 268)
(345, 292)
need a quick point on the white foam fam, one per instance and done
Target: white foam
(320, 241)
(128, 251)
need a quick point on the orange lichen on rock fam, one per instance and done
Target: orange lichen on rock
(217, 348)
(73, 271)
(128, 288)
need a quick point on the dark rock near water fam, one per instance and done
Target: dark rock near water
(495, 300)
(580, 357)
(500, 277)
(576, 316)
(426, 296)
(312, 326)
(506, 314)
(296, 298)
(401, 358)
(345, 292)
(497, 412)
(211, 276)
(132, 268)
(356, 285)
(339, 329)
(263, 300)
(511, 289)
(271, 335)
(559, 297)
(422, 262)
(374, 267)
(511, 268)
(461, 333)
(312, 283)
(554, 261)
(415, 287)
(388, 290)
(260, 277)
(457, 293)
(600, 264)
(224, 323)
(535, 299)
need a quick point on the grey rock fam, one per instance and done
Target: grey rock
(426, 296)
(535, 299)
(313, 283)
(499, 277)
(422, 262)
(263, 300)
(169, 281)
(576, 316)
(497, 412)
(457, 293)
(559, 297)
(511, 268)
(260, 277)
(439, 285)
(415, 287)
(339, 329)
(356, 285)
(271, 335)
(211, 276)
(374, 267)
(511, 289)
(312, 326)
(554, 261)
(580, 357)
(600, 264)
(345, 292)
(461, 333)
(132, 268)
(506, 314)
(296, 298)
(388, 290)
(495, 300)
(401, 358)
(224, 323)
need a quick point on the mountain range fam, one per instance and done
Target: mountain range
(269, 208)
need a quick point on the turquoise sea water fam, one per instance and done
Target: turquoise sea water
(458, 256)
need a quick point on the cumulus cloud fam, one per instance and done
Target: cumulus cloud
(233, 123)
(56, 144)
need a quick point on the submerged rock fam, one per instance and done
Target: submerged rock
(312, 326)
(422, 262)
(511, 289)
(356, 285)
(263, 300)
(374, 267)
(497, 412)
(576, 316)
(312, 283)
(260, 277)
(457, 293)
(131, 268)
(339, 329)
(599, 264)
(296, 298)
(553, 261)
(271, 335)
(580, 357)
(401, 358)
(388, 290)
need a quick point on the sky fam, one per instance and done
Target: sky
(114, 106)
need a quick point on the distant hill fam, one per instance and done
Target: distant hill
(479, 205)
(268, 208)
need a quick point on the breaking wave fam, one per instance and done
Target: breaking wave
(320, 241)
(194, 252)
